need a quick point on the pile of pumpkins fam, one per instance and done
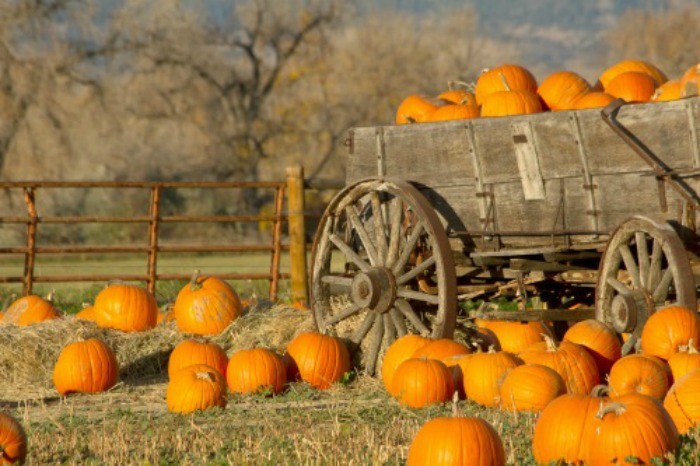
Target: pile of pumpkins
(511, 89)
(649, 400)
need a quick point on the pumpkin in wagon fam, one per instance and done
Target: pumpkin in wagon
(631, 65)
(632, 86)
(506, 77)
(561, 89)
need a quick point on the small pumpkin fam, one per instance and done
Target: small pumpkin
(690, 82)
(632, 425)
(670, 90)
(638, 373)
(88, 366)
(683, 402)
(29, 310)
(573, 362)
(399, 351)
(165, 316)
(422, 382)
(530, 387)
(631, 65)
(508, 77)
(196, 388)
(685, 361)
(192, 352)
(254, 370)
(320, 360)
(206, 306)
(599, 339)
(13, 441)
(506, 103)
(561, 89)
(125, 307)
(454, 112)
(417, 109)
(456, 441)
(595, 99)
(482, 374)
(668, 329)
(632, 86)
(513, 337)
(454, 95)
(441, 349)
(87, 313)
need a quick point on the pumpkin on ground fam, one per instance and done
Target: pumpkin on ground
(633, 425)
(513, 337)
(206, 306)
(400, 350)
(482, 374)
(192, 352)
(595, 99)
(125, 307)
(255, 370)
(683, 402)
(530, 387)
(457, 364)
(29, 310)
(456, 441)
(165, 316)
(422, 382)
(631, 65)
(685, 361)
(13, 441)
(88, 366)
(441, 349)
(638, 373)
(671, 90)
(668, 329)
(561, 89)
(632, 86)
(506, 77)
(690, 82)
(196, 388)
(599, 339)
(320, 360)
(573, 362)
(417, 109)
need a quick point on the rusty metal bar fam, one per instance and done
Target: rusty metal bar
(31, 241)
(140, 184)
(276, 243)
(136, 249)
(145, 219)
(528, 233)
(138, 278)
(153, 239)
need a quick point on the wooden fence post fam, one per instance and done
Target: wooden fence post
(297, 234)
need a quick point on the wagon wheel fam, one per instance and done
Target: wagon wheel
(376, 241)
(644, 267)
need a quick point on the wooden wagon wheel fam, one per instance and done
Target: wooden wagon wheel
(364, 277)
(644, 267)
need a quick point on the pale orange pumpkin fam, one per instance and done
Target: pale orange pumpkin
(401, 350)
(561, 89)
(193, 352)
(631, 65)
(88, 366)
(29, 310)
(422, 382)
(599, 339)
(506, 77)
(668, 329)
(595, 99)
(255, 370)
(530, 387)
(13, 441)
(196, 388)
(638, 373)
(320, 360)
(206, 306)
(125, 307)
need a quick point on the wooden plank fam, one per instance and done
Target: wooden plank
(540, 315)
(528, 163)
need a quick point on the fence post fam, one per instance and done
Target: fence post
(297, 234)
(154, 212)
(31, 242)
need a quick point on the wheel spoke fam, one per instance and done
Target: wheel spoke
(643, 257)
(349, 253)
(349, 311)
(379, 228)
(395, 212)
(630, 265)
(361, 331)
(629, 345)
(406, 309)
(399, 322)
(408, 249)
(418, 296)
(375, 343)
(357, 225)
(655, 265)
(389, 329)
(618, 285)
(337, 280)
(662, 289)
(413, 273)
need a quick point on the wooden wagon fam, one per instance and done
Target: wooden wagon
(589, 203)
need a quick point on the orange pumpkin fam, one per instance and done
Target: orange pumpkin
(456, 441)
(320, 360)
(454, 112)
(599, 339)
(670, 90)
(506, 103)
(513, 337)
(637, 373)
(441, 349)
(561, 89)
(88, 366)
(685, 361)
(165, 316)
(13, 441)
(530, 387)
(504, 78)
(690, 82)
(192, 352)
(87, 313)
(457, 364)
(632, 86)
(668, 329)
(126, 307)
(255, 370)
(482, 374)
(683, 402)
(400, 350)
(196, 388)
(573, 362)
(206, 306)
(592, 100)
(631, 426)
(422, 382)
(631, 65)
(416, 109)
(458, 96)
(30, 310)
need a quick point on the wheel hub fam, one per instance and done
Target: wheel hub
(374, 289)
(629, 311)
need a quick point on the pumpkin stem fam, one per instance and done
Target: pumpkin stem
(452, 85)
(614, 407)
(551, 344)
(410, 119)
(50, 297)
(194, 286)
(455, 408)
(492, 349)
(205, 376)
(504, 81)
(600, 391)
(85, 305)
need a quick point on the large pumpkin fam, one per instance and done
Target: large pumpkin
(458, 96)
(422, 382)
(573, 362)
(668, 329)
(255, 370)
(400, 350)
(417, 109)
(631, 65)
(320, 360)
(482, 374)
(684, 362)
(506, 77)
(513, 337)
(195, 388)
(13, 441)
(454, 112)
(635, 426)
(683, 402)
(206, 306)
(192, 352)
(632, 86)
(445, 441)
(530, 387)
(125, 307)
(441, 349)
(88, 366)
(561, 89)
(599, 339)
(671, 90)
(638, 373)
(29, 310)
(506, 103)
